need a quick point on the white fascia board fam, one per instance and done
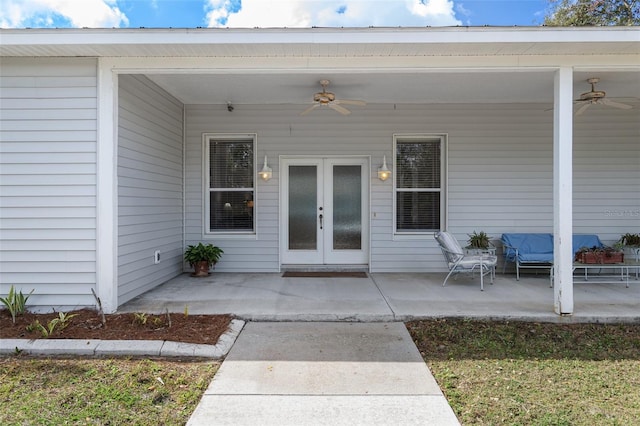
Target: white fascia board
(473, 35)
(369, 65)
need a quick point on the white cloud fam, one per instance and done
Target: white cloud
(464, 12)
(52, 13)
(330, 13)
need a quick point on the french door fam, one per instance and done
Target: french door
(325, 211)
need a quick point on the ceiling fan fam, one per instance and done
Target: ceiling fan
(329, 99)
(596, 97)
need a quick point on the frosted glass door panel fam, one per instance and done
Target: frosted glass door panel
(347, 208)
(303, 216)
(324, 215)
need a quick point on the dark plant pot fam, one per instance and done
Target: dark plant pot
(601, 258)
(201, 269)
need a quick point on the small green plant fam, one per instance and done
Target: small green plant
(478, 240)
(140, 318)
(59, 323)
(64, 319)
(630, 240)
(186, 311)
(36, 326)
(203, 253)
(15, 302)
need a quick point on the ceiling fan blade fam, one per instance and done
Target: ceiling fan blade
(340, 109)
(616, 104)
(349, 102)
(308, 110)
(583, 108)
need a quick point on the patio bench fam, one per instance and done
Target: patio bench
(535, 250)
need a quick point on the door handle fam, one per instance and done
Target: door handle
(320, 217)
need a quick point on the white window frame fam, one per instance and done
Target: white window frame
(206, 190)
(413, 138)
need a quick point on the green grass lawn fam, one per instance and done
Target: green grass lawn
(100, 391)
(534, 374)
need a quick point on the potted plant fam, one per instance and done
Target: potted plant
(201, 257)
(632, 243)
(479, 244)
(478, 240)
(602, 255)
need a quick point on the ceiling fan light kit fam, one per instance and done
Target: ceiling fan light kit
(596, 97)
(325, 98)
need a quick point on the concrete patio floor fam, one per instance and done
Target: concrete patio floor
(385, 297)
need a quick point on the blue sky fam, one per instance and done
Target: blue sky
(268, 13)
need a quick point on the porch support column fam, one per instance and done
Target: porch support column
(563, 191)
(106, 208)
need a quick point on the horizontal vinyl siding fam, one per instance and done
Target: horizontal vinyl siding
(48, 124)
(607, 173)
(500, 172)
(149, 186)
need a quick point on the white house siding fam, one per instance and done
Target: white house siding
(500, 165)
(48, 179)
(607, 173)
(149, 186)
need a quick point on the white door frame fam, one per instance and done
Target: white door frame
(324, 246)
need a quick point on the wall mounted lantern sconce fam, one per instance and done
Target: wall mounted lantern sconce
(383, 172)
(266, 172)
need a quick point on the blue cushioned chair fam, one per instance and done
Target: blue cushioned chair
(535, 250)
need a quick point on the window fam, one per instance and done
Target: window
(419, 184)
(229, 193)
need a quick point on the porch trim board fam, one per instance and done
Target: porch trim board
(106, 193)
(563, 191)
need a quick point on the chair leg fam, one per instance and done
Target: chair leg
(448, 275)
(517, 272)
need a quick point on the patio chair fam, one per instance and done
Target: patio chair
(459, 262)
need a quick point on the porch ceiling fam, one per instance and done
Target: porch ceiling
(392, 87)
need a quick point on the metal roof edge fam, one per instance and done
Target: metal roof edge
(373, 35)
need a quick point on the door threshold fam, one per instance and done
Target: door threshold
(324, 268)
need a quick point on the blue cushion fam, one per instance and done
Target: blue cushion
(584, 240)
(528, 244)
(538, 248)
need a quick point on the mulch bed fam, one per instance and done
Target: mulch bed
(87, 324)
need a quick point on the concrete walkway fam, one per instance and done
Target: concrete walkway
(328, 373)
